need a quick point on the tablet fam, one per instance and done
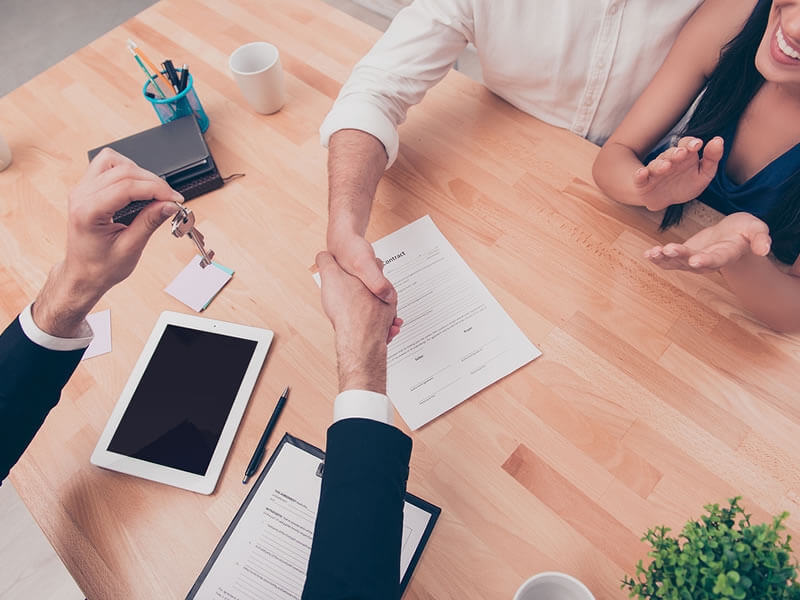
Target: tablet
(176, 417)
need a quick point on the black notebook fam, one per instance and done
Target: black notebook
(175, 151)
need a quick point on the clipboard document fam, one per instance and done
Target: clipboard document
(456, 339)
(265, 550)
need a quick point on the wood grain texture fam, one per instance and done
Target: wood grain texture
(30, 568)
(655, 394)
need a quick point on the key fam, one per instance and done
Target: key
(183, 224)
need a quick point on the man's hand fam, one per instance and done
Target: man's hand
(101, 253)
(717, 246)
(356, 161)
(356, 256)
(363, 325)
(678, 175)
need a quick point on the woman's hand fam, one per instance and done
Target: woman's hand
(717, 246)
(678, 175)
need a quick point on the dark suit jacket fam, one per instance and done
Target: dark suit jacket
(31, 378)
(355, 554)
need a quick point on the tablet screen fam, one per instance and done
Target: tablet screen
(179, 408)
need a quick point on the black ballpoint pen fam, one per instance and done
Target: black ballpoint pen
(262, 443)
(172, 75)
(184, 81)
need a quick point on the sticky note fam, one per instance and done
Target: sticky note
(100, 322)
(196, 287)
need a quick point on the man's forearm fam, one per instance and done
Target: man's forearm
(61, 307)
(771, 294)
(356, 161)
(362, 365)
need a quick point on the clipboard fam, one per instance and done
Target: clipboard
(208, 582)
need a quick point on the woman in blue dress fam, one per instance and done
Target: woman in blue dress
(739, 153)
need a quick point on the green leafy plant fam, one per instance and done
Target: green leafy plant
(720, 556)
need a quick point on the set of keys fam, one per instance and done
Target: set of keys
(183, 224)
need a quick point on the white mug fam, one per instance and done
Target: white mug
(5, 154)
(553, 586)
(256, 67)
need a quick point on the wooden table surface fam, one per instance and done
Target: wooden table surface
(655, 393)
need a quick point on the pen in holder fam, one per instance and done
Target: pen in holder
(181, 104)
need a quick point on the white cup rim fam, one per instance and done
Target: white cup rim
(248, 46)
(554, 575)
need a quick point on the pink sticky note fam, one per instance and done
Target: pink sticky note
(196, 287)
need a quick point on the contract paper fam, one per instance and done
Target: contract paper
(267, 553)
(456, 339)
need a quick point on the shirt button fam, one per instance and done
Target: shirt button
(612, 10)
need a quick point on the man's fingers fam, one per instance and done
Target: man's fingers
(383, 289)
(123, 191)
(326, 264)
(393, 331)
(106, 159)
(323, 259)
(108, 178)
(371, 275)
(133, 238)
(148, 220)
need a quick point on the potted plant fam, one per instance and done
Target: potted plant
(720, 556)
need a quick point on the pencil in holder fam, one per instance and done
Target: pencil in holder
(175, 106)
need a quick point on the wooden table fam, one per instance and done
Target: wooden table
(655, 394)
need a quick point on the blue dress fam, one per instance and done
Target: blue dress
(758, 196)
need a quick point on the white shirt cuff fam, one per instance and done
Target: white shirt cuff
(363, 117)
(364, 405)
(51, 342)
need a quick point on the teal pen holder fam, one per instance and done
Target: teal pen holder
(177, 106)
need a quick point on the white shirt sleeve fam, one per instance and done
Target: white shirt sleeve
(51, 342)
(363, 404)
(416, 52)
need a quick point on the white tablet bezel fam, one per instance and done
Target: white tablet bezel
(203, 484)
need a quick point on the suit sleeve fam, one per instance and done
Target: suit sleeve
(31, 379)
(355, 554)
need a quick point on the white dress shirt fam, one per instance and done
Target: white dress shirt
(576, 64)
(51, 342)
(364, 405)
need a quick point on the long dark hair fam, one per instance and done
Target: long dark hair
(731, 87)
